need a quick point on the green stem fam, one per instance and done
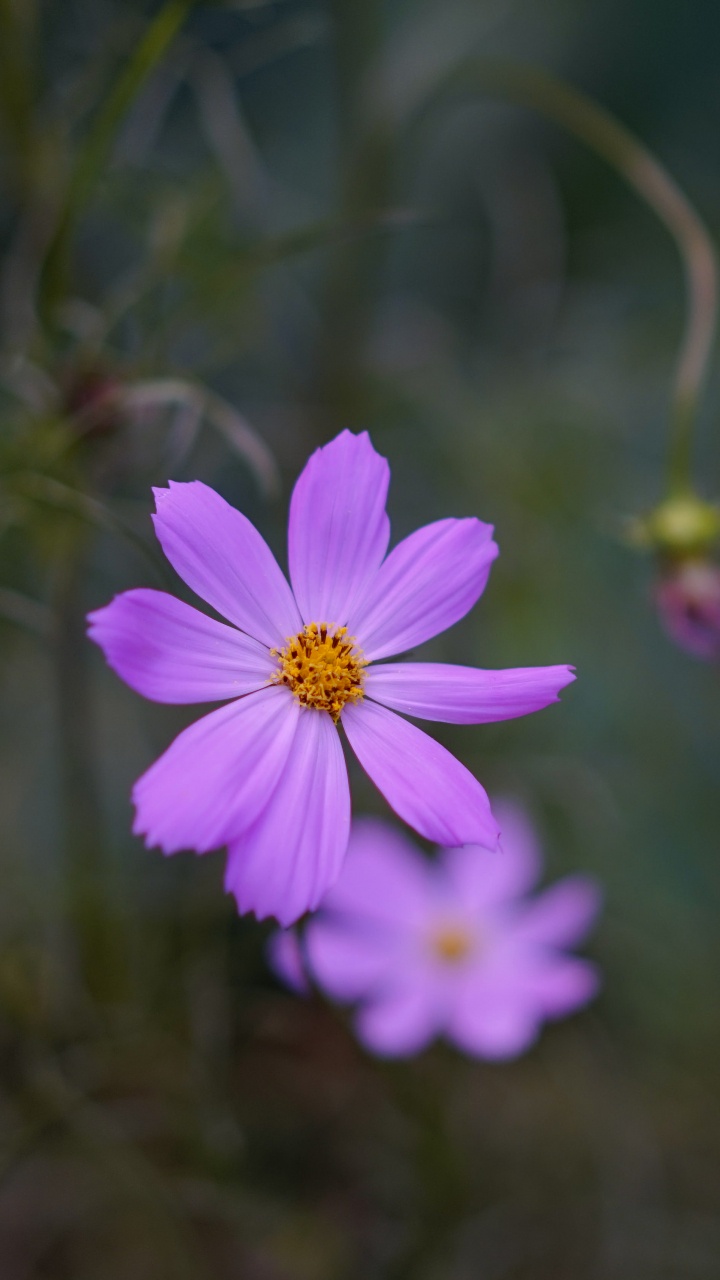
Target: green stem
(95, 924)
(62, 497)
(628, 156)
(96, 147)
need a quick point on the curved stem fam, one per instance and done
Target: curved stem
(96, 147)
(93, 917)
(628, 156)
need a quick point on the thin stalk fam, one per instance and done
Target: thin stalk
(95, 924)
(96, 148)
(630, 158)
(62, 497)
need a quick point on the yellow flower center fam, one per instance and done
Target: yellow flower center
(322, 667)
(452, 944)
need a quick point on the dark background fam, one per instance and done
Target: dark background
(297, 211)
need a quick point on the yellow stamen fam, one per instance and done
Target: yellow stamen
(452, 944)
(322, 667)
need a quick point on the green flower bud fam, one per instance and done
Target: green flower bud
(678, 527)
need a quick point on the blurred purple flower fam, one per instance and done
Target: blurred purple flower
(688, 601)
(265, 774)
(452, 947)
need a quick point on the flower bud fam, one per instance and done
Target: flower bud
(90, 399)
(688, 601)
(679, 527)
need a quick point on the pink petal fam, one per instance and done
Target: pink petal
(492, 1024)
(464, 695)
(284, 863)
(483, 880)
(285, 957)
(420, 780)
(170, 652)
(349, 963)
(427, 583)
(218, 553)
(338, 531)
(557, 986)
(399, 1024)
(561, 916)
(215, 778)
(384, 880)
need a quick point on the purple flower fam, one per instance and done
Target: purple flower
(265, 773)
(688, 601)
(451, 947)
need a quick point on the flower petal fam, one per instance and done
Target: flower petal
(557, 986)
(338, 531)
(464, 695)
(480, 880)
(285, 957)
(420, 780)
(493, 1024)
(428, 582)
(562, 915)
(216, 777)
(385, 881)
(284, 863)
(221, 555)
(400, 1024)
(170, 652)
(346, 962)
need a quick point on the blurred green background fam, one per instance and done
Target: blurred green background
(228, 231)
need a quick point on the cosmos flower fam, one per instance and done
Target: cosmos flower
(452, 947)
(265, 773)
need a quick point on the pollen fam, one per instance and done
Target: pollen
(452, 944)
(323, 667)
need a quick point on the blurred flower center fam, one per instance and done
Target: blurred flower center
(322, 667)
(452, 943)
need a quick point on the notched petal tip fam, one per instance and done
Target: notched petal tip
(493, 549)
(497, 846)
(217, 776)
(561, 676)
(174, 489)
(425, 785)
(219, 553)
(464, 695)
(142, 829)
(94, 621)
(286, 914)
(170, 652)
(338, 528)
(161, 493)
(426, 584)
